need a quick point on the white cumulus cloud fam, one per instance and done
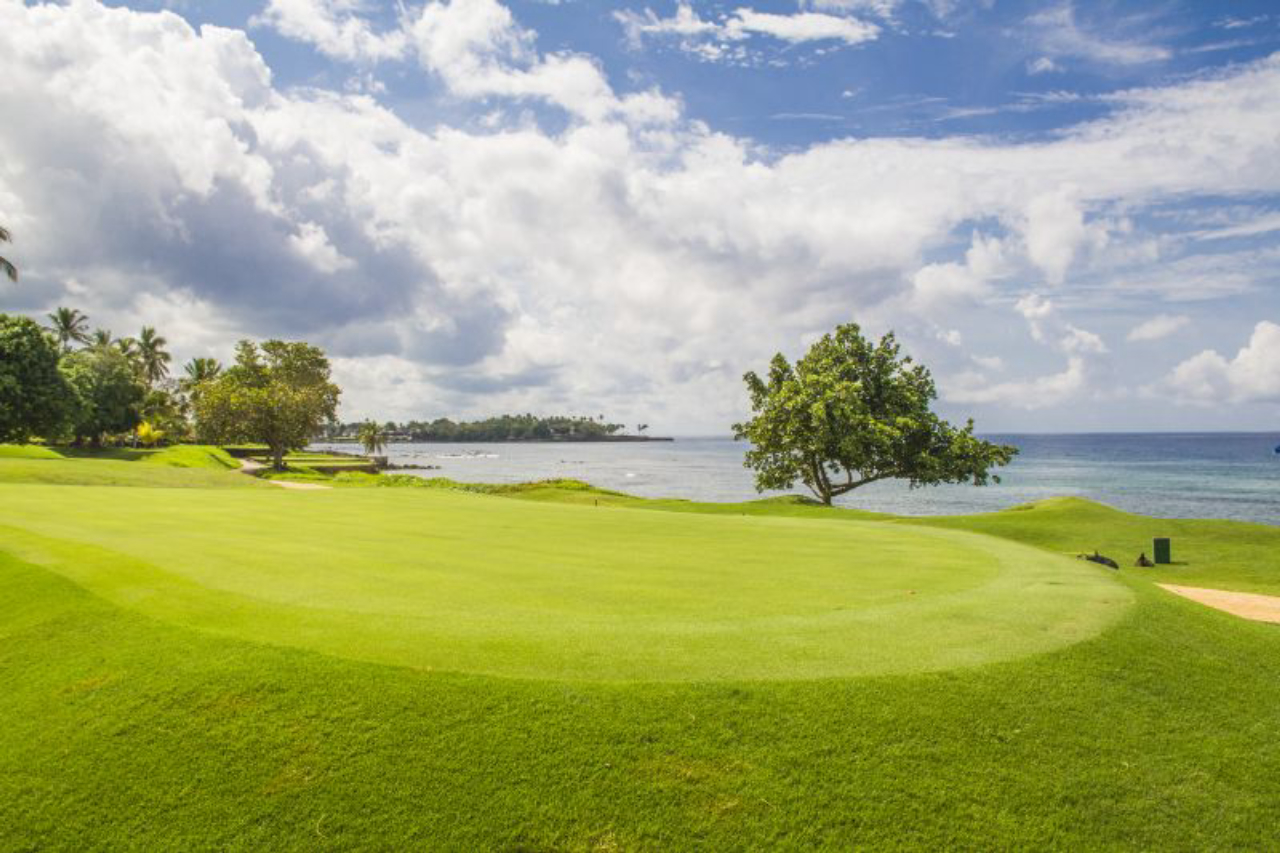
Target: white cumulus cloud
(800, 26)
(1253, 375)
(335, 27)
(1159, 326)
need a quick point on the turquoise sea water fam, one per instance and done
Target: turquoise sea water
(1173, 475)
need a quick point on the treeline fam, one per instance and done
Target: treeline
(64, 384)
(525, 427)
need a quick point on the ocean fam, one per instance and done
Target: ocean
(1170, 475)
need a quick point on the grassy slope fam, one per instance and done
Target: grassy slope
(186, 466)
(1158, 734)
(1223, 554)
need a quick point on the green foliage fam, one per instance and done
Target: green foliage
(200, 370)
(166, 410)
(278, 394)
(153, 359)
(6, 266)
(69, 326)
(35, 399)
(109, 390)
(525, 427)
(373, 437)
(851, 413)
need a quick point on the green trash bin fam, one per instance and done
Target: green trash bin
(1163, 551)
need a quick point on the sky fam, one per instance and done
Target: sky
(1070, 212)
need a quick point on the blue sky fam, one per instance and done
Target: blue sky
(1069, 211)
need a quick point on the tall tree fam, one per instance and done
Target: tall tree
(152, 356)
(278, 394)
(69, 326)
(199, 370)
(35, 399)
(852, 413)
(109, 389)
(9, 269)
(101, 338)
(128, 347)
(373, 437)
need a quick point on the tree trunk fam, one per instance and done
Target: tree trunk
(277, 458)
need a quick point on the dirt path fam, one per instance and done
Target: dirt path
(250, 467)
(1247, 605)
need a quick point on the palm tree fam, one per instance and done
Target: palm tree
(69, 325)
(201, 370)
(152, 357)
(9, 269)
(101, 339)
(373, 437)
(129, 347)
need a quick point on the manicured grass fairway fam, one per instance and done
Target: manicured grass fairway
(122, 727)
(459, 582)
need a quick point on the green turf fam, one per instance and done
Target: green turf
(458, 582)
(185, 466)
(1223, 554)
(27, 451)
(122, 729)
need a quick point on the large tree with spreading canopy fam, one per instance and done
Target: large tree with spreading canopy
(277, 394)
(852, 412)
(35, 398)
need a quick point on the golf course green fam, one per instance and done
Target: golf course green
(190, 659)
(458, 582)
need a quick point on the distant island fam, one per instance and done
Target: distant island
(504, 428)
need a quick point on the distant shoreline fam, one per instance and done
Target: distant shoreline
(604, 439)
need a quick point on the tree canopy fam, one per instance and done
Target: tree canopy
(153, 358)
(373, 437)
(852, 412)
(526, 427)
(277, 394)
(69, 326)
(110, 395)
(35, 399)
(199, 370)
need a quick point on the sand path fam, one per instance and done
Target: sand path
(1247, 605)
(250, 467)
